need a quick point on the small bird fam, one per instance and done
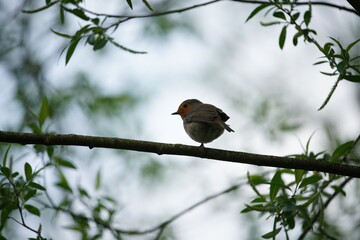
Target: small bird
(202, 122)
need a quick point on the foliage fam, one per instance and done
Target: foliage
(291, 198)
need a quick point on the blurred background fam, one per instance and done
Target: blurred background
(208, 53)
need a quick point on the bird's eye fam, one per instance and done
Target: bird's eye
(185, 105)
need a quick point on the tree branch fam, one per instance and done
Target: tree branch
(181, 150)
(179, 10)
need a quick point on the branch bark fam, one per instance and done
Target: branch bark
(180, 150)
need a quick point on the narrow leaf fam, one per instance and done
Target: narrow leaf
(257, 10)
(310, 180)
(282, 37)
(32, 209)
(129, 3)
(28, 171)
(44, 112)
(351, 45)
(71, 49)
(98, 180)
(271, 234)
(37, 186)
(280, 15)
(352, 78)
(147, 5)
(299, 173)
(5, 156)
(275, 184)
(341, 150)
(61, 34)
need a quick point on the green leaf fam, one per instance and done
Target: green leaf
(351, 45)
(307, 17)
(339, 190)
(353, 78)
(257, 10)
(32, 209)
(275, 185)
(74, 42)
(280, 15)
(65, 163)
(5, 171)
(295, 17)
(44, 112)
(100, 43)
(63, 183)
(28, 171)
(282, 37)
(299, 173)
(271, 234)
(147, 5)
(266, 24)
(4, 162)
(78, 12)
(37, 186)
(30, 194)
(341, 150)
(61, 34)
(310, 180)
(320, 62)
(62, 15)
(98, 180)
(310, 200)
(129, 3)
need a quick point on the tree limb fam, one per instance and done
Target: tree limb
(181, 150)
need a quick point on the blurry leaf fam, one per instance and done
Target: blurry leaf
(78, 12)
(44, 112)
(275, 185)
(271, 234)
(307, 17)
(320, 62)
(61, 34)
(30, 194)
(329, 74)
(98, 180)
(32, 209)
(62, 15)
(65, 163)
(63, 183)
(74, 42)
(83, 192)
(129, 3)
(311, 200)
(269, 23)
(280, 15)
(28, 171)
(295, 17)
(341, 151)
(257, 10)
(37, 186)
(100, 42)
(339, 190)
(282, 37)
(351, 45)
(147, 5)
(4, 162)
(257, 207)
(310, 180)
(353, 78)
(299, 173)
(5, 171)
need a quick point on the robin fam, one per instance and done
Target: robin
(202, 122)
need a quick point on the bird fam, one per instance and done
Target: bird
(202, 122)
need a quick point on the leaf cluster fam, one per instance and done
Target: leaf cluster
(298, 196)
(285, 13)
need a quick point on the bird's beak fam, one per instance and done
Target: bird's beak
(175, 113)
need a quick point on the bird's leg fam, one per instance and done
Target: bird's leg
(202, 145)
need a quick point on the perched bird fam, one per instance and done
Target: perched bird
(202, 122)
